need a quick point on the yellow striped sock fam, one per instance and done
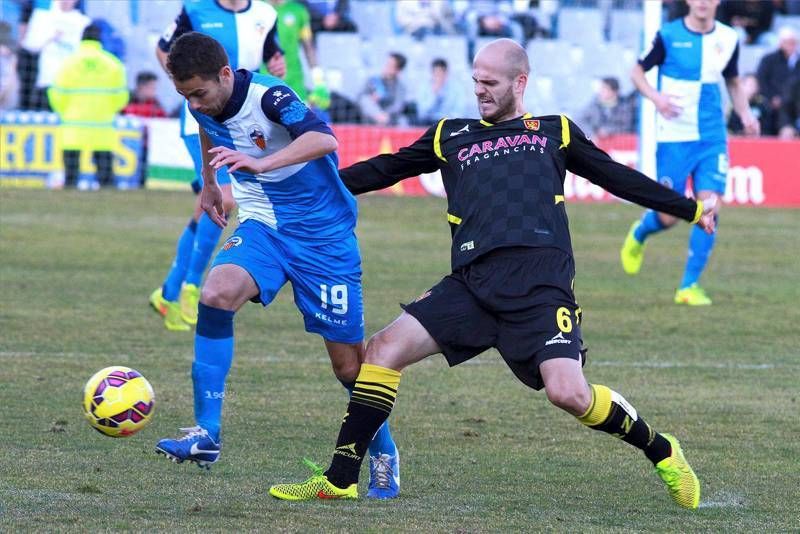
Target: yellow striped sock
(376, 386)
(600, 407)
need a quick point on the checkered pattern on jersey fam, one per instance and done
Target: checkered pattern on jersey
(505, 197)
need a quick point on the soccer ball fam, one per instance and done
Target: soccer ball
(118, 401)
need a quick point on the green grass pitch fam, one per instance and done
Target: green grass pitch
(480, 452)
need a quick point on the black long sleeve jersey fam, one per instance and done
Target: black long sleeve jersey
(505, 181)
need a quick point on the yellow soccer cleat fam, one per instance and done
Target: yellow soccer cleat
(316, 487)
(677, 474)
(190, 296)
(173, 320)
(632, 253)
(158, 303)
(693, 295)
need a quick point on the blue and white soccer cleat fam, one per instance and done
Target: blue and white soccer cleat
(384, 476)
(195, 446)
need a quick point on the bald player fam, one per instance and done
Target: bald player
(512, 277)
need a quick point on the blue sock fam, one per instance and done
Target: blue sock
(213, 354)
(172, 285)
(700, 246)
(205, 240)
(382, 442)
(650, 224)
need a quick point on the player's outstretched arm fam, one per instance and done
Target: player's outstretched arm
(385, 170)
(307, 147)
(586, 159)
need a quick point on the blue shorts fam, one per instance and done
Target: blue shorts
(325, 276)
(192, 143)
(706, 161)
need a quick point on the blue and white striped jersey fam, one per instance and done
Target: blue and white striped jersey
(249, 36)
(692, 65)
(305, 200)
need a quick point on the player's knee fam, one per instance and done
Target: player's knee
(667, 220)
(216, 296)
(346, 371)
(380, 350)
(572, 399)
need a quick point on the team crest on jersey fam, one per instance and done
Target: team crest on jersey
(257, 137)
(531, 124)
(233, 241)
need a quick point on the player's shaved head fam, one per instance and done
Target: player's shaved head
(505, 54)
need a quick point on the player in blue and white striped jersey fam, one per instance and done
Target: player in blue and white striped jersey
(695, 54)
(296, 224)
(247, 31)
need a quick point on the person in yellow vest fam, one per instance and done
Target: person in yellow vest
(89, 90)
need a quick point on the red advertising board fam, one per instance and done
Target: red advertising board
(763, 172)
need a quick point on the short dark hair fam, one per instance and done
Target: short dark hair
(439, 62)
(91, 32)
(612, 83)
(146, 76)
(400, 59)
(196, 54)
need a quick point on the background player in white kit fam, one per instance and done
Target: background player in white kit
(694, 54)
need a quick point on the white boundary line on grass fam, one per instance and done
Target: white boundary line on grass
(703, 364)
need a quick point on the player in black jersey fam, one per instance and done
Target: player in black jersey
(511, 285)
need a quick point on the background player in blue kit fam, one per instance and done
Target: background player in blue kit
(297, 224)
(694, 54)
(247, 31)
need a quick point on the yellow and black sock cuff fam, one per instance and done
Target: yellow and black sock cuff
(376, 386)
(698, 212)
(600, 407)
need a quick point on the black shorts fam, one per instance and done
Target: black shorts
(519, 300)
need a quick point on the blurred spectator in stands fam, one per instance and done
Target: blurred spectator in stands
(789, 121)
(674, 9)
(489, 18)
(419, 18)
(752, 19)
(111, 39)
(9, 81)
(759, 107)
(294, 32)
(330, 16)
(54, 34)
(527, 12)
(443, 99)
(143, 101)
(89, 90)
(547, 15)
(609, 112)
(774, 72)
(383, 99)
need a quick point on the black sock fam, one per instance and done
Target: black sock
(611, 413)
(370, 405)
